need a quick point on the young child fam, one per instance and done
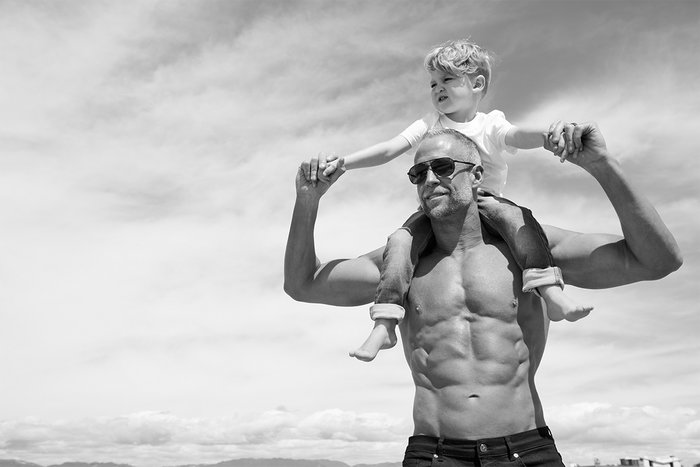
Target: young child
(460, 73)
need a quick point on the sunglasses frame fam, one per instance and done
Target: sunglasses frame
(420, 177)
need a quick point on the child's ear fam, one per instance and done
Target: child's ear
(479, 83)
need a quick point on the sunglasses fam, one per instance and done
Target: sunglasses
(441, 167)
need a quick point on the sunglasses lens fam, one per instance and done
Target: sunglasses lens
(443, 167)
(417, 172)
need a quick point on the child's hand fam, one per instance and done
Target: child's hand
(333, 163)
(560, 140)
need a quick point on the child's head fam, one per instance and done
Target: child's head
(461, 58)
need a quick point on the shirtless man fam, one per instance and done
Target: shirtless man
(472, 339)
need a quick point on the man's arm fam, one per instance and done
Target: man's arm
(647, 250)
(344, 282)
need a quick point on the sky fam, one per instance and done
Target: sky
(147, 160)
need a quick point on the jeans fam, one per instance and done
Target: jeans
(527, 449)
(518, 228)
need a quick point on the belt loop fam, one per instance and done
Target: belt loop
(509, 447)
(438, 448)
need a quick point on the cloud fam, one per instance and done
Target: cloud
(583, 431)
(156, 438)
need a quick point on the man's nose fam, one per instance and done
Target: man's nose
(431, 178)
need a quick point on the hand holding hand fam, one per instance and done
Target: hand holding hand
(584, 143)
(559, 140)
(311, 179)
(333, 163)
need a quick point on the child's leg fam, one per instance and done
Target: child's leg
(530, 248)
(399, 261)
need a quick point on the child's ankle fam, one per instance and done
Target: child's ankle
(389, 311)
(534, 279)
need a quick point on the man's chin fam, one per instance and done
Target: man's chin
(435, 211)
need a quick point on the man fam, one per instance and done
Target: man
(472, 339)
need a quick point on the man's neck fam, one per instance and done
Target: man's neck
(460, 231)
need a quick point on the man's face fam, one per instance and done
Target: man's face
(443, 196)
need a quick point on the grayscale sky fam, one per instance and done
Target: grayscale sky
(147, 160)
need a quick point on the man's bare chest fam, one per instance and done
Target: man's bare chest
(481, 283)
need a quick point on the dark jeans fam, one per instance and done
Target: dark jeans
(515, 224)
(529, 448)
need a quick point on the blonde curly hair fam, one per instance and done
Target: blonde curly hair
(461, 58)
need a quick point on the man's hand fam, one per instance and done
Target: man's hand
(584, 143)
(310, 180)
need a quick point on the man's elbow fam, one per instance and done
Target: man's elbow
(294, 291)
(675, 262)
(671, 263)
(299, 292)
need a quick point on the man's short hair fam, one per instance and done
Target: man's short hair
(470, 152)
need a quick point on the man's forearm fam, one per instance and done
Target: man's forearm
(646, 236)
(300, 261)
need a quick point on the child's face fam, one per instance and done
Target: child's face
(453, 95)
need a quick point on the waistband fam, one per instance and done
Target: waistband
(470, 449)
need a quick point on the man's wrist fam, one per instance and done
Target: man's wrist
(602, 166)
(310, 200)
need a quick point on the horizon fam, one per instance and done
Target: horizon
(595, 462)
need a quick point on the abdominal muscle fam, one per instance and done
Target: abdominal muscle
(461, 396)
(470, 364)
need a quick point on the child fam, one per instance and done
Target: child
(460, 73)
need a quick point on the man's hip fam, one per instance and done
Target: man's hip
(529, 448)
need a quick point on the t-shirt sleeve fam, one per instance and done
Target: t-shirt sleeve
(497, 129)
(416, 131)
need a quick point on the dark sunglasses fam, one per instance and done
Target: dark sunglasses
(441, 167)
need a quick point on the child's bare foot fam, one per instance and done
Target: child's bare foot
(383, 336)
(560, 306)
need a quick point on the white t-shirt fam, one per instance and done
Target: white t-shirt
(488, 131)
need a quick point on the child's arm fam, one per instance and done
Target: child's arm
(531, 138)
(375, 155)
(379, 154)
(526, 138)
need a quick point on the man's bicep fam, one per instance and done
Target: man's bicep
(593, 261)
(347, 282)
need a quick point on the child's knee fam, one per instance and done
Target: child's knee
(401, 237)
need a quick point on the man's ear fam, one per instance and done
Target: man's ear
(479, 83)
(478, 173)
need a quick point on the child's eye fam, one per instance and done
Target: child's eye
(447, 78)
(432, 85)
